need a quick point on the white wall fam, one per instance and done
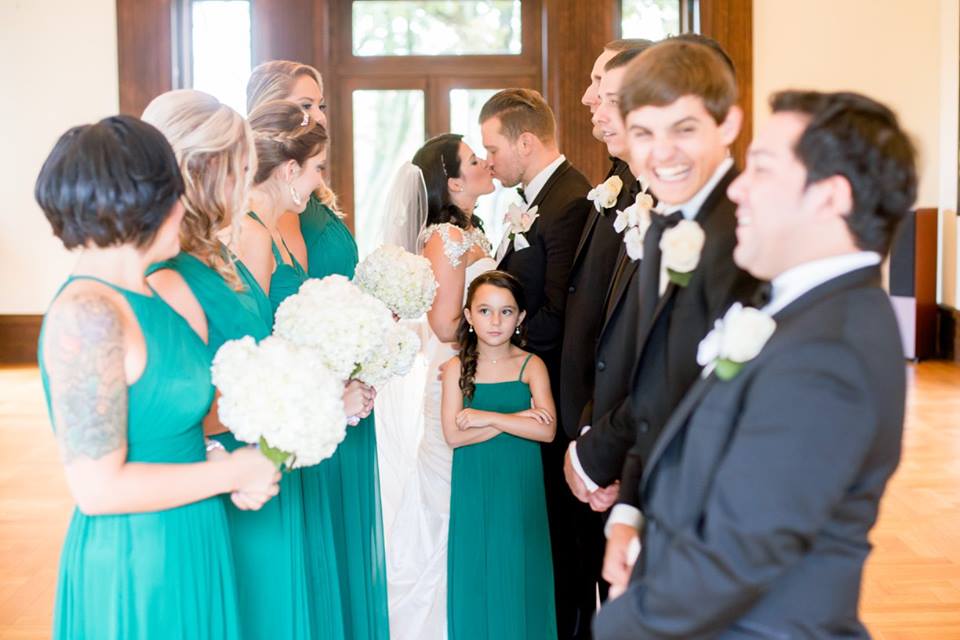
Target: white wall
(904, 53)
(58, 59)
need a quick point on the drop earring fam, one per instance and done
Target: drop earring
(470, 330)
(517, 331)
(295, 195)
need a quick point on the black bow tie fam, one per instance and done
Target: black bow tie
(667, 220)
(762, 296)
(523, 195)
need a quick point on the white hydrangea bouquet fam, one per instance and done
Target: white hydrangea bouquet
(353, 332)
(281, 397)
(401, 280)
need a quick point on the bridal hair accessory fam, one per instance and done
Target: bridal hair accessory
(306, 119)
(443, 165)
(295, 195)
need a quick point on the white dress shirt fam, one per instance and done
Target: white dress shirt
(530, 192)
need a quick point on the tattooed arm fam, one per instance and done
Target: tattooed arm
(85, 353)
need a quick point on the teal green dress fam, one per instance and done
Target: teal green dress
(350, 480)
(269, 544)
(160, 574)
(499, 566)
(319, 521)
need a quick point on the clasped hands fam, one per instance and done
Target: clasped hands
(600, 499)
(358, 400)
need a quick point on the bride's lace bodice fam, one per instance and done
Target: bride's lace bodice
(455, 249)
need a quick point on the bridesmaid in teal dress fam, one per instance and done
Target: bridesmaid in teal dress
(205, 280)
(281, 140)
(127, 383)
(350, 481)
(499, 566)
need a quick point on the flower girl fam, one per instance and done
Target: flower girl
(499, 567)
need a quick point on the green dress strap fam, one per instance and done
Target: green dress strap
(523, 367)
(286, 278)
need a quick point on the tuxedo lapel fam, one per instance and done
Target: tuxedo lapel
(618, 286)
(864, 277)
(585, 236)
(551, 181)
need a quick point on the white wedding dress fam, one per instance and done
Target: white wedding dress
(417, 516)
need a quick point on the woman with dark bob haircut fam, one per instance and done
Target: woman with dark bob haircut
(127, 383)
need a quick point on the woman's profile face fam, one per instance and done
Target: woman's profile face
(309, 179)
(307, 93)
(476, 176)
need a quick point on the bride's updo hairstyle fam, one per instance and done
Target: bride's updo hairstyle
(214, 148)
(439, 160)
(467, 339)
(283, 131)
(274, 80)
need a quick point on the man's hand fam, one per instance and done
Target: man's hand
(574, 481)
(619, 558)
(604, 497)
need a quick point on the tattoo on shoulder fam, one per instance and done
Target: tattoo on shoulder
(88, 388)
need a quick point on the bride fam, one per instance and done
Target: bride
(433, 200)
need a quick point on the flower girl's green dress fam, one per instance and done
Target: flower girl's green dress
(499, 567)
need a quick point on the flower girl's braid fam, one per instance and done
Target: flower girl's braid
(468, 358)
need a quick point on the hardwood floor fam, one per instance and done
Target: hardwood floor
(911, 585)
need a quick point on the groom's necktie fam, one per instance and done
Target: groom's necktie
(648, 279)
(523, 195)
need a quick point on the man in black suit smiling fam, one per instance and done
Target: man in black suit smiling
(761, 491)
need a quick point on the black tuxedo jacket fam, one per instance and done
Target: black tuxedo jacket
(762, 489)
(543, 268)
(667, 361)
(590, 277)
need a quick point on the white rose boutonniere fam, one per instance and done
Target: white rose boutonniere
(604, 195)
(736, 339)
(519, 220)
(636, 220)
(680, 249)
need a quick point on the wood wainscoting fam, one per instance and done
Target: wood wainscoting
(18, 338)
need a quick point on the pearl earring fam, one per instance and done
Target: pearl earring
(517, 331)
(295, 195)
(470, 330)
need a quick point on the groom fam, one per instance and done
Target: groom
(763, 487)
(519, 134)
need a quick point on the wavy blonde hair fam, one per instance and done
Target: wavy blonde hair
(274, 80)
(215, 150)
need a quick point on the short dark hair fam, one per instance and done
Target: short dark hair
(624, 57)
(624, 44)
(439, 160)
(672, 69)
(854, 136)
(110, 183)
(521, 111)
(698, 38)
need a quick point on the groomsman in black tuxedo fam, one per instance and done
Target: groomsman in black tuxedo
(761, 491)
(519, 134)
(678, 102)
(590, 281)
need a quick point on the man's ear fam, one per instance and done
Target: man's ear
(730, 127)
(831, 197)
(526, 143)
